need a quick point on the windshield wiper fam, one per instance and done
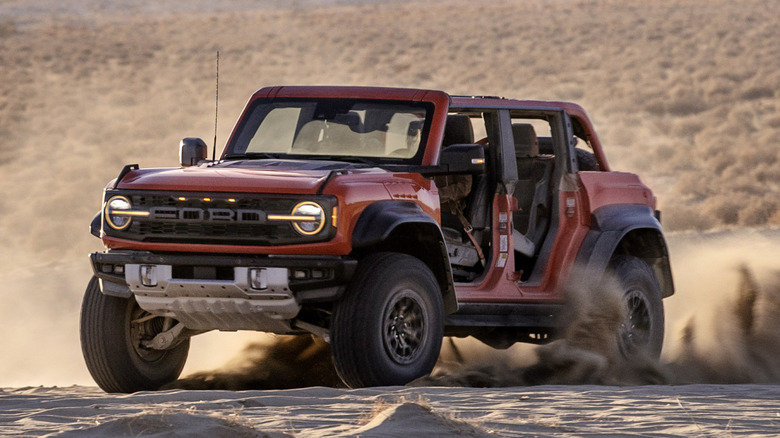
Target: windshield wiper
(359, 160)
(253, 155)
(342, 158)
(312, 157)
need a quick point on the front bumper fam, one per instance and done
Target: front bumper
(223, 292)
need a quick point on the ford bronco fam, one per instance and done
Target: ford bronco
(325, 214)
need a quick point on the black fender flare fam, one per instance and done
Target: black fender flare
(380, 220)
(96, 224)
(615, 226)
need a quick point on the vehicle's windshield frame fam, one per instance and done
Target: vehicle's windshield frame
(259, 109)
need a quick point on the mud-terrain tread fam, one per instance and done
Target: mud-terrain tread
(633, 272)
(586, 161)
(360, 311)
(105, 350)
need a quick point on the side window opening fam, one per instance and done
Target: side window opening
(534, 156)
(465, 201)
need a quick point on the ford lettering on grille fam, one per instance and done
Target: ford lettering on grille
(207, 214)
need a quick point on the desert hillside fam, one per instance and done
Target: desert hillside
(683, 92)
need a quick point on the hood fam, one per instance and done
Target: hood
(247, 176)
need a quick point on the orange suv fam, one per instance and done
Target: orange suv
(380, 219)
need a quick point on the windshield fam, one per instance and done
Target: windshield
(333, 128)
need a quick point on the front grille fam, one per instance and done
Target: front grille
(227, 218)
(260, 234)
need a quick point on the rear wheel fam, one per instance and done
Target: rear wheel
(643, 327)
(388, 328)
(112, 334)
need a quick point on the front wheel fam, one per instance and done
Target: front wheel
(388, 328)
(642, 329)
(112, 334)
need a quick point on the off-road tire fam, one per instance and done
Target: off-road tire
(115, 363)
(586, 161)
(387, 329)
(642, 331)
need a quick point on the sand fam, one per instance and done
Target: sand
(693, 410)
(683, 92)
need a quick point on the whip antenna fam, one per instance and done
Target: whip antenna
(216, 114)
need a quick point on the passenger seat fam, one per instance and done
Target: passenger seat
(532, 191)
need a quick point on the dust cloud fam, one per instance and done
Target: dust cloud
(748, 342)
(722, 326)
(586, 352)
(273, 362)
(683, 92)
(739, 344)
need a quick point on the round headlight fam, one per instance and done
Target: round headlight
(116, 213)
(312, 218)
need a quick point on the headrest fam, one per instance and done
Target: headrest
(526, 142)
(351, 119)
(458, 130)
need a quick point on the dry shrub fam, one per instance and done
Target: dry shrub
(758, 92)
(725, 210)
(775, 218)
(684, 100)
(773, 121)
(757, 211)
(689, 217)
(687, 126)
(691, 190)
(7, 28)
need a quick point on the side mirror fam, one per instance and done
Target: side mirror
(192, 151)
(463, 158)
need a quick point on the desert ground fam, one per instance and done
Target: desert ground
(683, 92)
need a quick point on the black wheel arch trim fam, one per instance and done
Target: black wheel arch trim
(96, 225)
(615, 225)
(378, 222)
(379, 219)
